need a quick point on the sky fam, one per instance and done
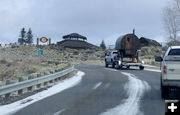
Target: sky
(96, 19)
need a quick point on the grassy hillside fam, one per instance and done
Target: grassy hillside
(23, 62)
(147, 54)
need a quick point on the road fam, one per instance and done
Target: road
(105, 91)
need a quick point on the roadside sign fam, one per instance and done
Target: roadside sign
(40, 52)
(43, 39)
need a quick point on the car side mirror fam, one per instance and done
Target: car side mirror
(106, 54)
(158, 59)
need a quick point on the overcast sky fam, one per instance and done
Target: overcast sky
(95, 19)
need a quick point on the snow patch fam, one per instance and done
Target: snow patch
(147, 65)
(153, 70)
(57, 113)
(135, 90)
(63, 85)
(110, 69)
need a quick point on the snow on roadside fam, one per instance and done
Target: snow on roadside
(135, 89)
(146, 65)
(111, 69)
(151, 66)
(63, 85)
(154, 70)
(150, 69)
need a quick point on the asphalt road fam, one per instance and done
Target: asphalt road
(105, 91)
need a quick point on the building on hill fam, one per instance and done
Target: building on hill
(76, 41)
(74, 36)
(148, 42)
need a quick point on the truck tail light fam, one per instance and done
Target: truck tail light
(164, 69)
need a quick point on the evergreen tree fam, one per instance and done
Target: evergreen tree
(29, 37)
(102, 45)
(21, 39)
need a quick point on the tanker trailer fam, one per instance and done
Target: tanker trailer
(127, 47)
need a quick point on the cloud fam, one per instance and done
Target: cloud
(96, 19)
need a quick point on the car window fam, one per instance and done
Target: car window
(115, 53)
(174, 52)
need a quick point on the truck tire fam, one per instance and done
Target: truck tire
(106, 64)
(163, 92)
(141, 67)
(120, 67)
(113, 64)
(128, 66)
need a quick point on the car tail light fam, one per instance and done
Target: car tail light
(164, 69)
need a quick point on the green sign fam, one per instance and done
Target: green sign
(40, 52)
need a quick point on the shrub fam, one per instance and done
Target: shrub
(56, 70)
(57, 63)
(51, 72)
(30, 77)
(8, 82)
(3, 61)
(38, 75)
(75, 53)
(8, 65)
(20, 79)
(32, 70)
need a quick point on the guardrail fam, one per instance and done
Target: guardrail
(35, 83)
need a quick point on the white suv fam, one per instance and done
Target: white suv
(170, 73)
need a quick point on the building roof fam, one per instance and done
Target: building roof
(77, 44)
(74, 35)
(148, 42)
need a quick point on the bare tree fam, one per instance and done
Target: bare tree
(171, 20)
(177, 4)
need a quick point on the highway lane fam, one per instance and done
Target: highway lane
(105, 91)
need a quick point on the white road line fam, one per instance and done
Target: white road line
(58, 112)
(135, 89)
(97, 85)
(63, 85)
(110, 69)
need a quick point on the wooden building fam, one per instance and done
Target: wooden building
(76, 41)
